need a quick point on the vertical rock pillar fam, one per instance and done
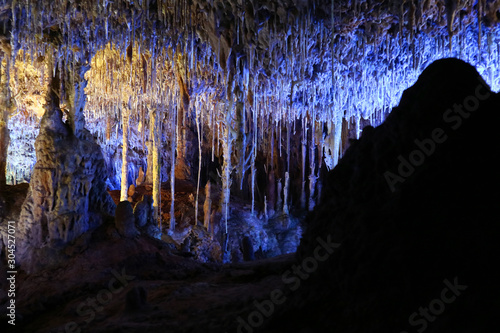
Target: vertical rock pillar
(125, 129)
(67, 195)
(5, 109)
(185, 135)
(75, 83)
(156, 142)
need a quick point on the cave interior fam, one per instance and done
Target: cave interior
(202, 154)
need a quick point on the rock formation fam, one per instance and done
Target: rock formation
(136, 299)
(67, 195)
(207, 207)
(247, 249)
(125, 220)
(144, 217)
(411, 205)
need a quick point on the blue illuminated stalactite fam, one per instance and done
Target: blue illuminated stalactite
(348, 77)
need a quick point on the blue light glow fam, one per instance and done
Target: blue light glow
(358, 80)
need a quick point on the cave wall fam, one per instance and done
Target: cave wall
(297, 60)
(248, 84)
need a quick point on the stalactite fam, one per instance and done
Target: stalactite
(227, 147)
(183, 168)
(304, 58)
(241, 139)
(286, 189)
(5, 110)
(312, 161)
(124, 180)
(337, 140)
(174, 131)
(480, 6)
(279, 141)
(207, 207)
(451, 7)
(303, 168)
(200, 136)
(213, 130)
(254, 156)
(156, 168)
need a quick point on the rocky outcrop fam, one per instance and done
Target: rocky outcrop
(67, 195)
(247, 249)
(144, 217)
(413, 205)
(125, 220)
(201, 246)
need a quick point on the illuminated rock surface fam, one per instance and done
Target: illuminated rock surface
(67, 195)
(219, 124)
(382, 255)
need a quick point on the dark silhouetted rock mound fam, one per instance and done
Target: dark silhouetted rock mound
(247, 249)
(414, 204)
(136, 299)
(125, 220)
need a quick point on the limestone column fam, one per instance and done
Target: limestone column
(155, 167)
(125, 129)
(75, 84)
(5, 110)
(185, 135)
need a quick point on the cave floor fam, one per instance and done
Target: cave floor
(108, 283)
(124, 285)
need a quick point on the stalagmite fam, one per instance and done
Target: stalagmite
(265, 209)
(67, 196)
(279, 203)
(285, 193)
